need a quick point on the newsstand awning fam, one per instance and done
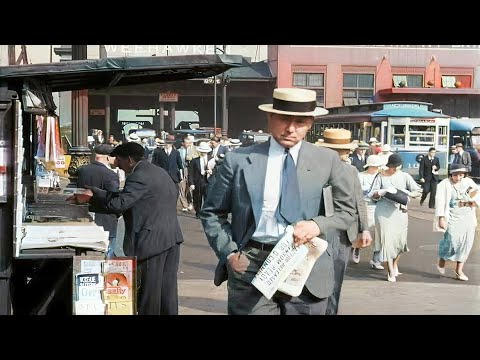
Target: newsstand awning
(104, 73)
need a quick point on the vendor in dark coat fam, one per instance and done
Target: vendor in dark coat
(152, 231)
(100, 174)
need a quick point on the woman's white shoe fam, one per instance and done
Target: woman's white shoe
(391, 278)
(441, 270)
(461, 277)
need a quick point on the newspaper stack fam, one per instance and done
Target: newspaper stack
(287, 267)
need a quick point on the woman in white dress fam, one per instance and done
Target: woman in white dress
(391, 218)
(456, 200)
(367, 177)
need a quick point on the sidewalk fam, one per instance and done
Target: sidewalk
(415, 294)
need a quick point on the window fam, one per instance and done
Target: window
(398, 135)
(421, 135)
(312, 81)
(448, 81)
(358, 89)
(408, 80)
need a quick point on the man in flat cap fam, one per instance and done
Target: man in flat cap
(100, 174)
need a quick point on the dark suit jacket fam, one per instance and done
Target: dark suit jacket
(360, 223)
(465, 159)
(98, 175)
(357, 162)
(195, 176)
(425, 169)
(238, 189)
(170, 163)
(149, 206)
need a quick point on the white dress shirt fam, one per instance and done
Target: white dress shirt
(269, 229)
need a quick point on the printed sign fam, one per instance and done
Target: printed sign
(168, 97)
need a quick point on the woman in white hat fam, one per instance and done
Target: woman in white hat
(339, 140)
(456, 200)
(367, 177)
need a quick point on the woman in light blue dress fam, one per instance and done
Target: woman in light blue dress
(456, 201)
(391, 218)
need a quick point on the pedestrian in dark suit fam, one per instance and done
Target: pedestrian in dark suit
(198, 176)
(267, 187)
(169, 159)
(428, 171)
(463, 157)
(357, 234)
(358, 158)
(152, 231)
(99, 174)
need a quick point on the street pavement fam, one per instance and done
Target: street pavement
(419, 290)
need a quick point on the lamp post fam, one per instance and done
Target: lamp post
(214, 80)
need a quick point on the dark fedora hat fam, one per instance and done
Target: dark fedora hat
(394, 160)
(458, 168)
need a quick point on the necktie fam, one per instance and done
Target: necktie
(289, 204)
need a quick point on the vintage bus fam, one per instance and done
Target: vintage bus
(409, 127)
(467, 132)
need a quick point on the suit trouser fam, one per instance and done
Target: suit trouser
(182, 195)
(429, 187)
(340, 262)
(245, 299)
(157, 283)
(199, 195)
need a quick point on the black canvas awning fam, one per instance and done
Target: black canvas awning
(104, 73)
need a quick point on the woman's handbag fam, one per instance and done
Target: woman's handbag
(400, 197)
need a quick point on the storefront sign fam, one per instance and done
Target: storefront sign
(100, 112)
(168, 97)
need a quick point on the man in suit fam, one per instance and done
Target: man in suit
(169, 159)
(198, 175)
(428, 171)
(100, 174)
(358, 158)
(255, 184)
(185, 193)
(152, 231)
(358, 233)
(463, 157)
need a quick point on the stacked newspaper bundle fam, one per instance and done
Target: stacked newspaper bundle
(287, 267)
(87, 235)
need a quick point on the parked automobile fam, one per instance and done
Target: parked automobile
(253, 137)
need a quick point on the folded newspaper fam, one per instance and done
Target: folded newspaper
(287, 267)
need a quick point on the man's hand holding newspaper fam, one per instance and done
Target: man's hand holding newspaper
(288, 266)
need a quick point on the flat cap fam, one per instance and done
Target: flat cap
(103, 149)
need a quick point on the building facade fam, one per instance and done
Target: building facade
(446, 75)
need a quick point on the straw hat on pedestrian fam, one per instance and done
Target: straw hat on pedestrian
(294, 101)
(337, 139)
(204, 147)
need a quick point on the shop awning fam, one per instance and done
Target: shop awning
(109, 72)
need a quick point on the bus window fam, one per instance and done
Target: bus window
(421, 136)
(398, 135)
(376, 131)
(442, 135)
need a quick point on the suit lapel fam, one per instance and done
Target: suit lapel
(254, 174)
(305, 159)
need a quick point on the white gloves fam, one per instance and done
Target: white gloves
(391, 189)
(192, 187)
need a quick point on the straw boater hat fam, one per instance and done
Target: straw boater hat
(204, 147)
(337, 139)
(374, 160)
(373, 140)
(294, 101)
